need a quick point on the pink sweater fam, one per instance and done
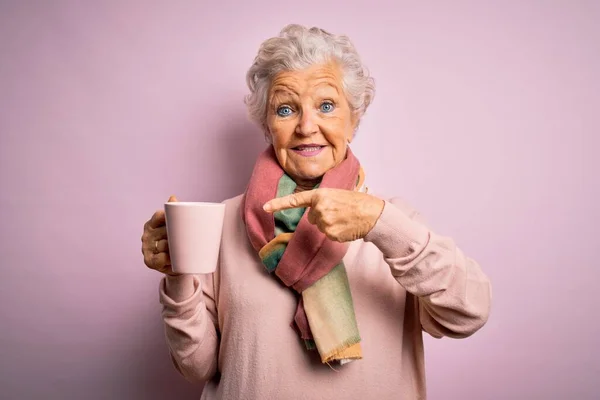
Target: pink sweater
(231, 329)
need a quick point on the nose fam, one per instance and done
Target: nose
(307, 125)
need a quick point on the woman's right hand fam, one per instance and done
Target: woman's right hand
(155, 246)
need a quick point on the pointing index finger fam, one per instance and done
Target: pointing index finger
(296, 200)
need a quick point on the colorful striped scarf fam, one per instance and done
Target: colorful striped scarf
(304, 259)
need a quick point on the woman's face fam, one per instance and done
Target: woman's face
(310, 121)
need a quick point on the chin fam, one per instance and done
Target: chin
(311, 175)
(309, 172)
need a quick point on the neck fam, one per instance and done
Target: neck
(303, 185)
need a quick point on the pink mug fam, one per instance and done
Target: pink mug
(194, 232)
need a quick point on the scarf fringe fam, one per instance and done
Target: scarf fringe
(349, 349)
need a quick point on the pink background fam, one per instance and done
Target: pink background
(485, 118)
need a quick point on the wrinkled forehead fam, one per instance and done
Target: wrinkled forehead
(319, 79)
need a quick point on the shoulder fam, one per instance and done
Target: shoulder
(234, 202)
(233, 206)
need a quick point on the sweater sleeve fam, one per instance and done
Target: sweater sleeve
(190, 319)
(453, 292)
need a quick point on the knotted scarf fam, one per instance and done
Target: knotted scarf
(304, 259)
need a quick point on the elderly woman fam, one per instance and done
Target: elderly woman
(322, 290)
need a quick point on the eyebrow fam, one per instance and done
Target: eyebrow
(280, 91)
(285, 90)
(325, 83)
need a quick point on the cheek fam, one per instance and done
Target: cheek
(337, 133)
(273, 130)
(279, 135)
(282, 131)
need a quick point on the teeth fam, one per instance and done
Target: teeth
(309, 148)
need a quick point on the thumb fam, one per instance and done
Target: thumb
(172, 199)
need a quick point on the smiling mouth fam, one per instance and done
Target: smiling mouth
(308, 150)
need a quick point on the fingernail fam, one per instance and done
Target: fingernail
(267, 207)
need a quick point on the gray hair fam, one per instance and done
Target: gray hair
(297, 48)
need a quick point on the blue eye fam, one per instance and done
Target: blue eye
(284, 111)
(327, 107)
